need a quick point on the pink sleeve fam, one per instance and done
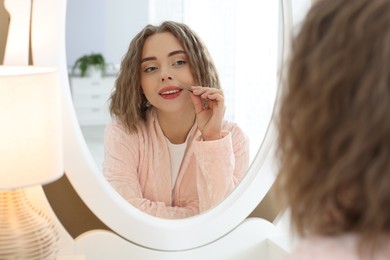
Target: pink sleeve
(221, 166)
(121, 161)
(322, 248)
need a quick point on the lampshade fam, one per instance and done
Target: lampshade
(30, 126)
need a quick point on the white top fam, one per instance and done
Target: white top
(176, 154)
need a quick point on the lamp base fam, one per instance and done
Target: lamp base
(26, 232)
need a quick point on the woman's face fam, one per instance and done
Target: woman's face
(164, 67)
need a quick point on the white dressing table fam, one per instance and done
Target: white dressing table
(90, 95)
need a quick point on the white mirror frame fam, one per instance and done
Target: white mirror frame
(48, 48)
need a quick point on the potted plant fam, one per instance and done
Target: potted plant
(92, 63)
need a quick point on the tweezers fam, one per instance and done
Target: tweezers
(204, 101)
(186, 88)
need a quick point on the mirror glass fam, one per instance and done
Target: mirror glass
(243, 44)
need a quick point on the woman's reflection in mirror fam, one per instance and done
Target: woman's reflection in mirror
(168, 149)
(334, 132)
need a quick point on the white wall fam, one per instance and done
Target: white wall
(90, 27)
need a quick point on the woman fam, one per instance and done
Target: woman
(168, 150)
(334, 142)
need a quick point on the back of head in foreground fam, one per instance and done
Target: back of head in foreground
(334, 123)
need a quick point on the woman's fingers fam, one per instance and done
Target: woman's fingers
(209, 108)
(198, 103)
(206, 93)
(209, 94)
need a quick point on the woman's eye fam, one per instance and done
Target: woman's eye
(179, 63)
(150, 69)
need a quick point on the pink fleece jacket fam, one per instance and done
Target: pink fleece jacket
(336, 248)
(137, 165)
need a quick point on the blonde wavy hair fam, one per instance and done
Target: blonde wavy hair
(334, 122)
(127, 102)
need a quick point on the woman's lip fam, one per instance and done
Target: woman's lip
(170, 93)
(169, 89)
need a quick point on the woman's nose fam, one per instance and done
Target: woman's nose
(165, 76)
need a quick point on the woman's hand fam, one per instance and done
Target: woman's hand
(209, 106)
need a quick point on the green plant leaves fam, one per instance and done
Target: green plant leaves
(92, 60)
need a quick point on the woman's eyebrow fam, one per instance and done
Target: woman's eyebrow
(169, 55)
(176, 52)
(148, 58)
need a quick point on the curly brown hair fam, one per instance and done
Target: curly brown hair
(334, 122)
(127, 102)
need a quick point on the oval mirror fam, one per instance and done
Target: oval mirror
(243, 46)
(248, 67)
